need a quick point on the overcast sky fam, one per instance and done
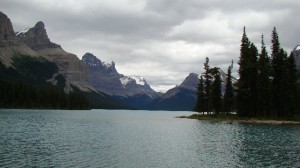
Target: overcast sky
(161, 40)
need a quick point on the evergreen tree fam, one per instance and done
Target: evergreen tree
(201, 99)
(207, 83)
(216, 95)
(278, 73)
(243, 86)
(252, 80)
(229, 95)
(263, 83)
(291, 91)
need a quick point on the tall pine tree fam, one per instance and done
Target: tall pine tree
(291, 91)
(216, 95)
(263, 82)
(207, 84)
(200, 99)
(278, 73)
(243, 90)
(252, 80)
(228, 95)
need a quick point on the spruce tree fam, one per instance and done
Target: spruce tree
(229, 95)
(243, 89)
(278, 73)
(207, 83)
(263, 83)
(291, 91)
(252, 80)
(200, 99)
(216, 95)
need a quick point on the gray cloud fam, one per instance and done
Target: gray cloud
(162, 40)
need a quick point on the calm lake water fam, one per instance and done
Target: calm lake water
(120, 138)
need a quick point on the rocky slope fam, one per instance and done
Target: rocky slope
(180, 98)
(10, 45)
(133, 91)
(29, 56)
(106, 78)
(69, 65)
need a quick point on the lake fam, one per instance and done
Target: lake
(140, 139)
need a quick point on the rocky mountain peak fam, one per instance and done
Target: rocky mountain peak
(36, 37)
(190, 81)
(94, 63)
(6, 28)
(40, 25)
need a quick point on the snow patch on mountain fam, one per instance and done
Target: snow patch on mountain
(22, 32)
(139, 80)
(125, 80)
(108, 65)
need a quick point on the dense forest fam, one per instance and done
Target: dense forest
(267, 86)
(25, 86)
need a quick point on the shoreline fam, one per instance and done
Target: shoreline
(233, 119)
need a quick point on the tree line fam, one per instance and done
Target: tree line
(25, 86)
(18, 94)
(267, 86)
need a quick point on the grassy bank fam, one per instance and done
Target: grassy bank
(233, 118)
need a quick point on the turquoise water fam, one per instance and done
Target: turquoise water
(120, 138)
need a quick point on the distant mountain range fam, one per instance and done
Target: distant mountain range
(100, 82)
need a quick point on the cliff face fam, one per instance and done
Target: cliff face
(36, 37)
(69, 65)
(10, 45)
(106, 78)
(6, 29)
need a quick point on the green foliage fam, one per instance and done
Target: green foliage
(291, 91)
(263, 82)
(26, 86)
(266, 88)
(18, 94)
(229, 92)
(209, 90)
(36, 69)
(207, 82)
(243, 91)
(216, 95)
(200, 104)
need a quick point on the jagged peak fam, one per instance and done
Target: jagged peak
(40, 25)
(190, 81)
(37, 37)
(92, 60)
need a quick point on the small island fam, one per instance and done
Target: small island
(233, 119)
(266, 92)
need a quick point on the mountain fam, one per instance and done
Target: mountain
(10, 45)
(184, 96)
(180, 98)
(29, 60)
(131, 90)
(69, 65)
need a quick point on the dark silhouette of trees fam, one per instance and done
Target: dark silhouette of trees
(229, 92)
